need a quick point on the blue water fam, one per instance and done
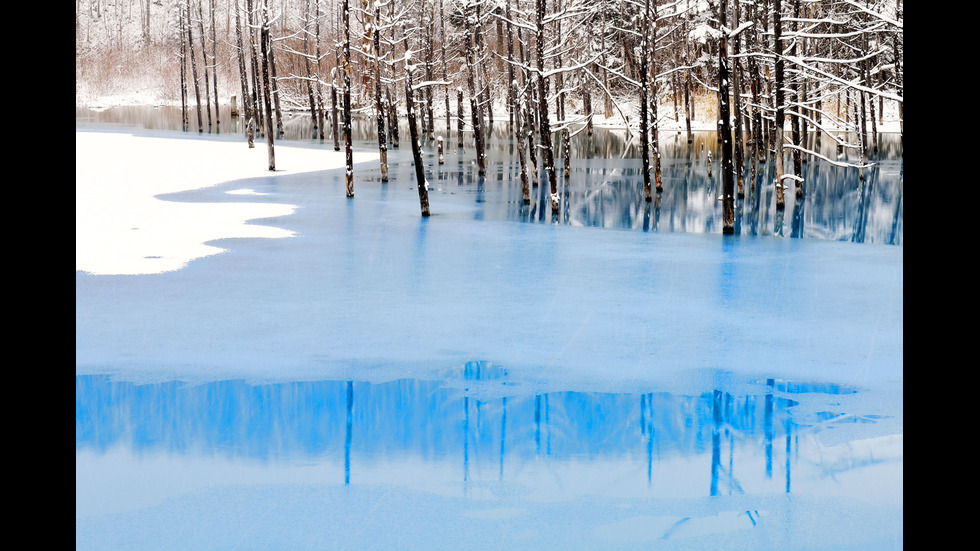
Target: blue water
(616, 376)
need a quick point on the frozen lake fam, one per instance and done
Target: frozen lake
(616, 376)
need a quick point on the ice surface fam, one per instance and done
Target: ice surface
(367, 290)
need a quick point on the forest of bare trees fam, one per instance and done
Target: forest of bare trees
(826, 69)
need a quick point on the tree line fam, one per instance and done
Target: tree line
(777, 74)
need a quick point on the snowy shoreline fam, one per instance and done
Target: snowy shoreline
(123, 228)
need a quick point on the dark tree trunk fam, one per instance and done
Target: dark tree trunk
(548, 154)
(644, 100)
(349, 174)
(183, 73)
(264, 44)
(525, 187)
(421, 182)
(204, 58)
(308, 66)
(274, 81)
(246, 104)
(727, 168)
(739, 131)
(190, 52)
(214, 68)
(378, 103)
(476, 107)
(780, 102)
(461, 120)
(336, 123)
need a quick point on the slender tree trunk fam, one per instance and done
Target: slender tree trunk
(246, 104)
(518, 101)
(308, 65)
(737, 97)
(644, 100)
(319, 88)
(727, 168)
(780, 102)
(476, 108)
(214, 67)
(378, 103)
(183, 73)
(654, 134)
(264, 45)
(445, 67)
(190, 52)
(349, 174)
(461, 121)
(333, 112)
(204, 57)
(511, 84)
(795, 119)
(257, 115)
(421, 181)
(275, 86)
(545, 131)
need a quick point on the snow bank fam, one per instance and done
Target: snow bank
(122, 227)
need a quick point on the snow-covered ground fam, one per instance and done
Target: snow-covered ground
(122, 227)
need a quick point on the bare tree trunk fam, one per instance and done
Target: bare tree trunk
(511, 84)
(545, 131)
(264, 40)
(421, 181)
(349, 174)
(378, 103)
(246, 104)
(780, 121)
(476, 107)
(257, 115)
(275, 87)
(214, 68)
(319, 91)
(308, 66)
(518, 101)
(727, 168)
(183, 73)
(204, 57)
(461, 121)
(739, 132)
(644, 99)
(445, 68)
(190, 52)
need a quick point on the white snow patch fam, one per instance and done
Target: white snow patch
(121, 227)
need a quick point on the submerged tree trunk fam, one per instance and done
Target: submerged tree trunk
(461, 121)
(264, 44)
(308, 66)
(190, 52)
(644, 100)
(204, 57)
(274, 81)
(727, 168)
(183, 74)
(214, 67)
(780, 121)
(378, 103)
(548, 153)
(518, 102)
(246, 104)
(349, 174)
(476, 107)
(319, 90)
(421, 182)
(336, 123)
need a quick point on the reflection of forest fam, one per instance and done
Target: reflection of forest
(431, 421)
(605, 186)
